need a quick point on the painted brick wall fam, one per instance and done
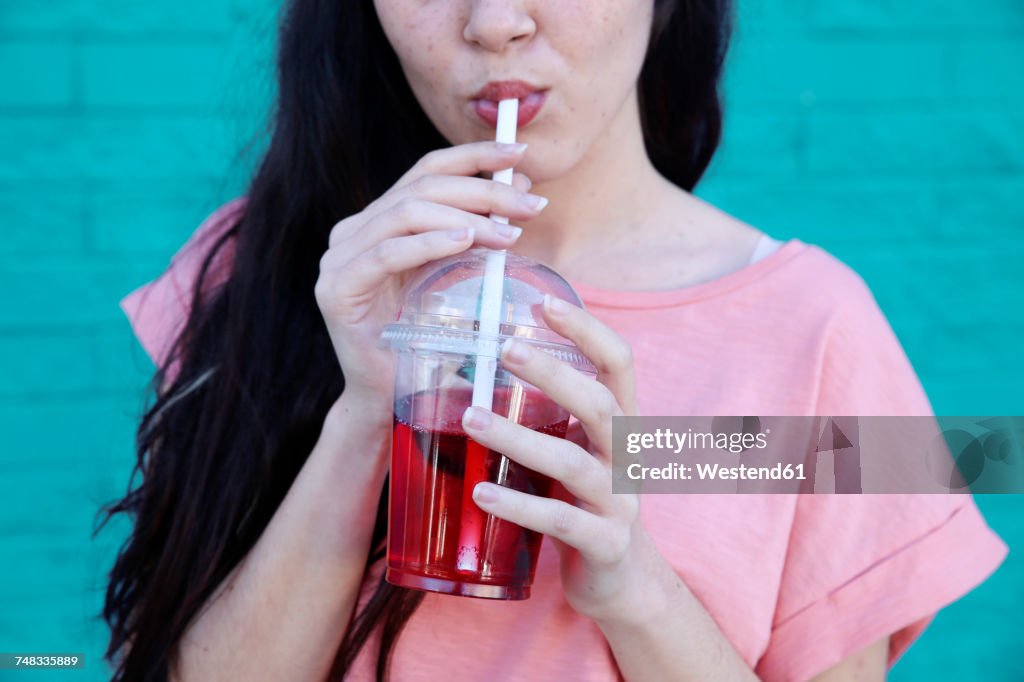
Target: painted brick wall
(890, 132)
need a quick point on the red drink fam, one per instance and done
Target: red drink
(438, 538)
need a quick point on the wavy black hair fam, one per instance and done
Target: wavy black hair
(216, 456)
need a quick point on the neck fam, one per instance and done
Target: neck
(610, 193)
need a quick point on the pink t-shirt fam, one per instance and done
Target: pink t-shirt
(796, 583)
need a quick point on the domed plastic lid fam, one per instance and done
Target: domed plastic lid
(441, 307)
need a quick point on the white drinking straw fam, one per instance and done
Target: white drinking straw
(487, 345)
(494, 274)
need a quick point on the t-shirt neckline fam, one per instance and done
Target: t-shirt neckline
(616, 298)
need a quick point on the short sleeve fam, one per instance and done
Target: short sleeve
(861, 567)
(158, 309)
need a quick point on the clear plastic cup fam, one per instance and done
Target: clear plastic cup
(438, 538)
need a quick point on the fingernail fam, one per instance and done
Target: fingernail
(535, 201)
(508, 231)
(555, 305)
(516, 351)
(512, 148)
(460, 234)
(476, 419)
(485, 493)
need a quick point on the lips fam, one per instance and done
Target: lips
(499, 90)
(531, 99)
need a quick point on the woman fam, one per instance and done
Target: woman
(257, 547)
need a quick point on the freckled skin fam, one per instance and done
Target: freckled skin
(610, 209)
(589, 52)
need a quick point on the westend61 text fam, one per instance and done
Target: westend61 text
(711, 472)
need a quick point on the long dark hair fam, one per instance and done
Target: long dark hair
(229, 430)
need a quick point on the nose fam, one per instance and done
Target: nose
(493, 24)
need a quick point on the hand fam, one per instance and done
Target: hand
(433, 211)
(602, 547)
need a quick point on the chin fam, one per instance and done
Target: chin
(545, 166)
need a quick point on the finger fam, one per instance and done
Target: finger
(472, 195)
(595, 538)
(477, 195)
(460, 160)
(592, 403)
(564, 461)
(415, 217)
(521, 182)
(389, 257)
(610, 353)
(465, 159)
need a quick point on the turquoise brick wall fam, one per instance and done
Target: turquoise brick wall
(889, 131)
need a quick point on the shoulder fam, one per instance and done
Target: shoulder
(828, 283)
(803, 278)
(863, 367)
(157, 309)
(813, 288)
(844, 297)
(800, 280)
(208, 232)
(186, 263)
